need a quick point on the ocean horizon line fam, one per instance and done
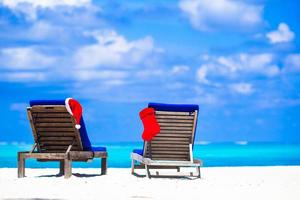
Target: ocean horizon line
(201, 142)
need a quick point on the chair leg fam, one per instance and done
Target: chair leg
(147, 171)
(61, 167)
(103, 166)
(67, 168)
(199, 173)
(132, 166)
(21, 165)
(178, 169)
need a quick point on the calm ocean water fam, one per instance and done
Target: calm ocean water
(227, 154)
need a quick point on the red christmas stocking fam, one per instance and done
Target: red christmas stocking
(151, 126)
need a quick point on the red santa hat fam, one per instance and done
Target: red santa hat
(75, 109)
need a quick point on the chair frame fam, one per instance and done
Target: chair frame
(146, 161)
(74, 151)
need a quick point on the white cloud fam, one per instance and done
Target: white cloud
(208, 15)
(242, 88)
(234, 66)
(282, 34)
(292, 63)
(113, 50)
(23, 76)
(86, 63)
(175, 85)
(87, 75)
(42, 30)
(45, 3)
(29, 7)
(179, 69)
(202, 74)
(149, 73)
(276, 102)
(153, 72)
(24, 58)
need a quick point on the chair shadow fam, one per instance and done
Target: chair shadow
(166, 176)
(29, 199)
(86, 175)
(74, 174)
(138, 175)
(53, 175)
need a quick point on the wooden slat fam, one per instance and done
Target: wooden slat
(168, 152)
(61, 138)
(175, 135)
(54, 129)
(48, 109)
(169, 157)
(173, 150)
(56, 143)
(58, 148)
(47, 106)
(171, 142)
(65, 147)
(174, 113)
(52, 115)
(51, 125)
(53, 120)
(157, 139)
(174, 141)
(56, 134)
(176, 131)
(174, 117)
(169, 146)
(175, 128)
(53, 151)
(189, 125)
(175, 120)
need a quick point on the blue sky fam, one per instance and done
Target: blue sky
(239, 60)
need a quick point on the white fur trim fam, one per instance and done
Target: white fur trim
(68, 106)
(77, 126)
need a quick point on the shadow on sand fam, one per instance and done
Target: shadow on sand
(74, 174)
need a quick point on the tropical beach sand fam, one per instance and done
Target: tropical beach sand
(216, 183)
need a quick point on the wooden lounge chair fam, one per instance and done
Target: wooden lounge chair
(173, 146)
(57, 139)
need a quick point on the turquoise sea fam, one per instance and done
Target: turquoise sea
(219, 154)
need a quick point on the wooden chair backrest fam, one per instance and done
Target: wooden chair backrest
(53, 129)
(177, 131)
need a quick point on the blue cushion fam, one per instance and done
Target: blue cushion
(98, 148)
(83, 133)
(46, 102)
(174, 107)
(138, 151)
(86, 143)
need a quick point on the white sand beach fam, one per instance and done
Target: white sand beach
(216, 183)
